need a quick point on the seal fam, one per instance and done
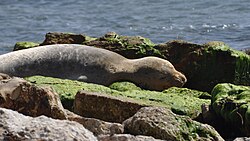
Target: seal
(90, 64)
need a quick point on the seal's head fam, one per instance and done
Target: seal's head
(157, 74)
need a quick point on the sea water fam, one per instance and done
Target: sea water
(197, 21)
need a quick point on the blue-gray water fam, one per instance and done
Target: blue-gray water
(196, 21)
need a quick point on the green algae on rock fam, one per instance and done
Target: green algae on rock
(232, 103)
(184, 103)
(128, 46)
(24, 45)
(208, 64)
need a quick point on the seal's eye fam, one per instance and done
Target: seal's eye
(163, 78)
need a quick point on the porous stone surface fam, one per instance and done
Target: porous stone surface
(161, 123)
(126, 137)
(19, 95)
(16, 127)
(232, 103)
(104, 107)
(96, 126)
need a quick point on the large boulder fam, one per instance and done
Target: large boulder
(208, 64)
(161, 123)
(181, 100)
(19, 95)
(15, 127)
(105, 107)
(232, 103)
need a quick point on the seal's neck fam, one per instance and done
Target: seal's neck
(129, 71)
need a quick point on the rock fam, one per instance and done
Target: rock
(96, 126)
(208, 64)
(24, 45)
(104, 107)
(161, 123)
(181, 100)
(231, 102)
(15, 126)
(128, 46)
(242, 139)
(19, 95)
(125, 137)
(65, 38)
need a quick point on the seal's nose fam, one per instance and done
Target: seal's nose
(180, 79)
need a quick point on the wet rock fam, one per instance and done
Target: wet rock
(24, 45)
(125, 137)
(65, 38)
(15, 126)
(19, 95)
(96, 126)
(161, 123)
(104, 107)
(231, 102)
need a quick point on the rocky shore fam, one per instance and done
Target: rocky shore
(213, 105)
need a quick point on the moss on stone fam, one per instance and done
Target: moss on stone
(232, 102)
(24, 45)
(238, 62)
(128, 46)
(180, 100)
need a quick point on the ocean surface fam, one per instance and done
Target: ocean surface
(197, 21)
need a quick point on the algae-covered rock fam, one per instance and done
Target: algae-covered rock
(24, 45)
(181, 100)
(208, 64)
(232, 102)
(161, 123)
(65, 38)
(128, 46)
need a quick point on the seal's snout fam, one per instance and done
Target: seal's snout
(180, 79)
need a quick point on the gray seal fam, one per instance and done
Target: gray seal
(90, 64)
